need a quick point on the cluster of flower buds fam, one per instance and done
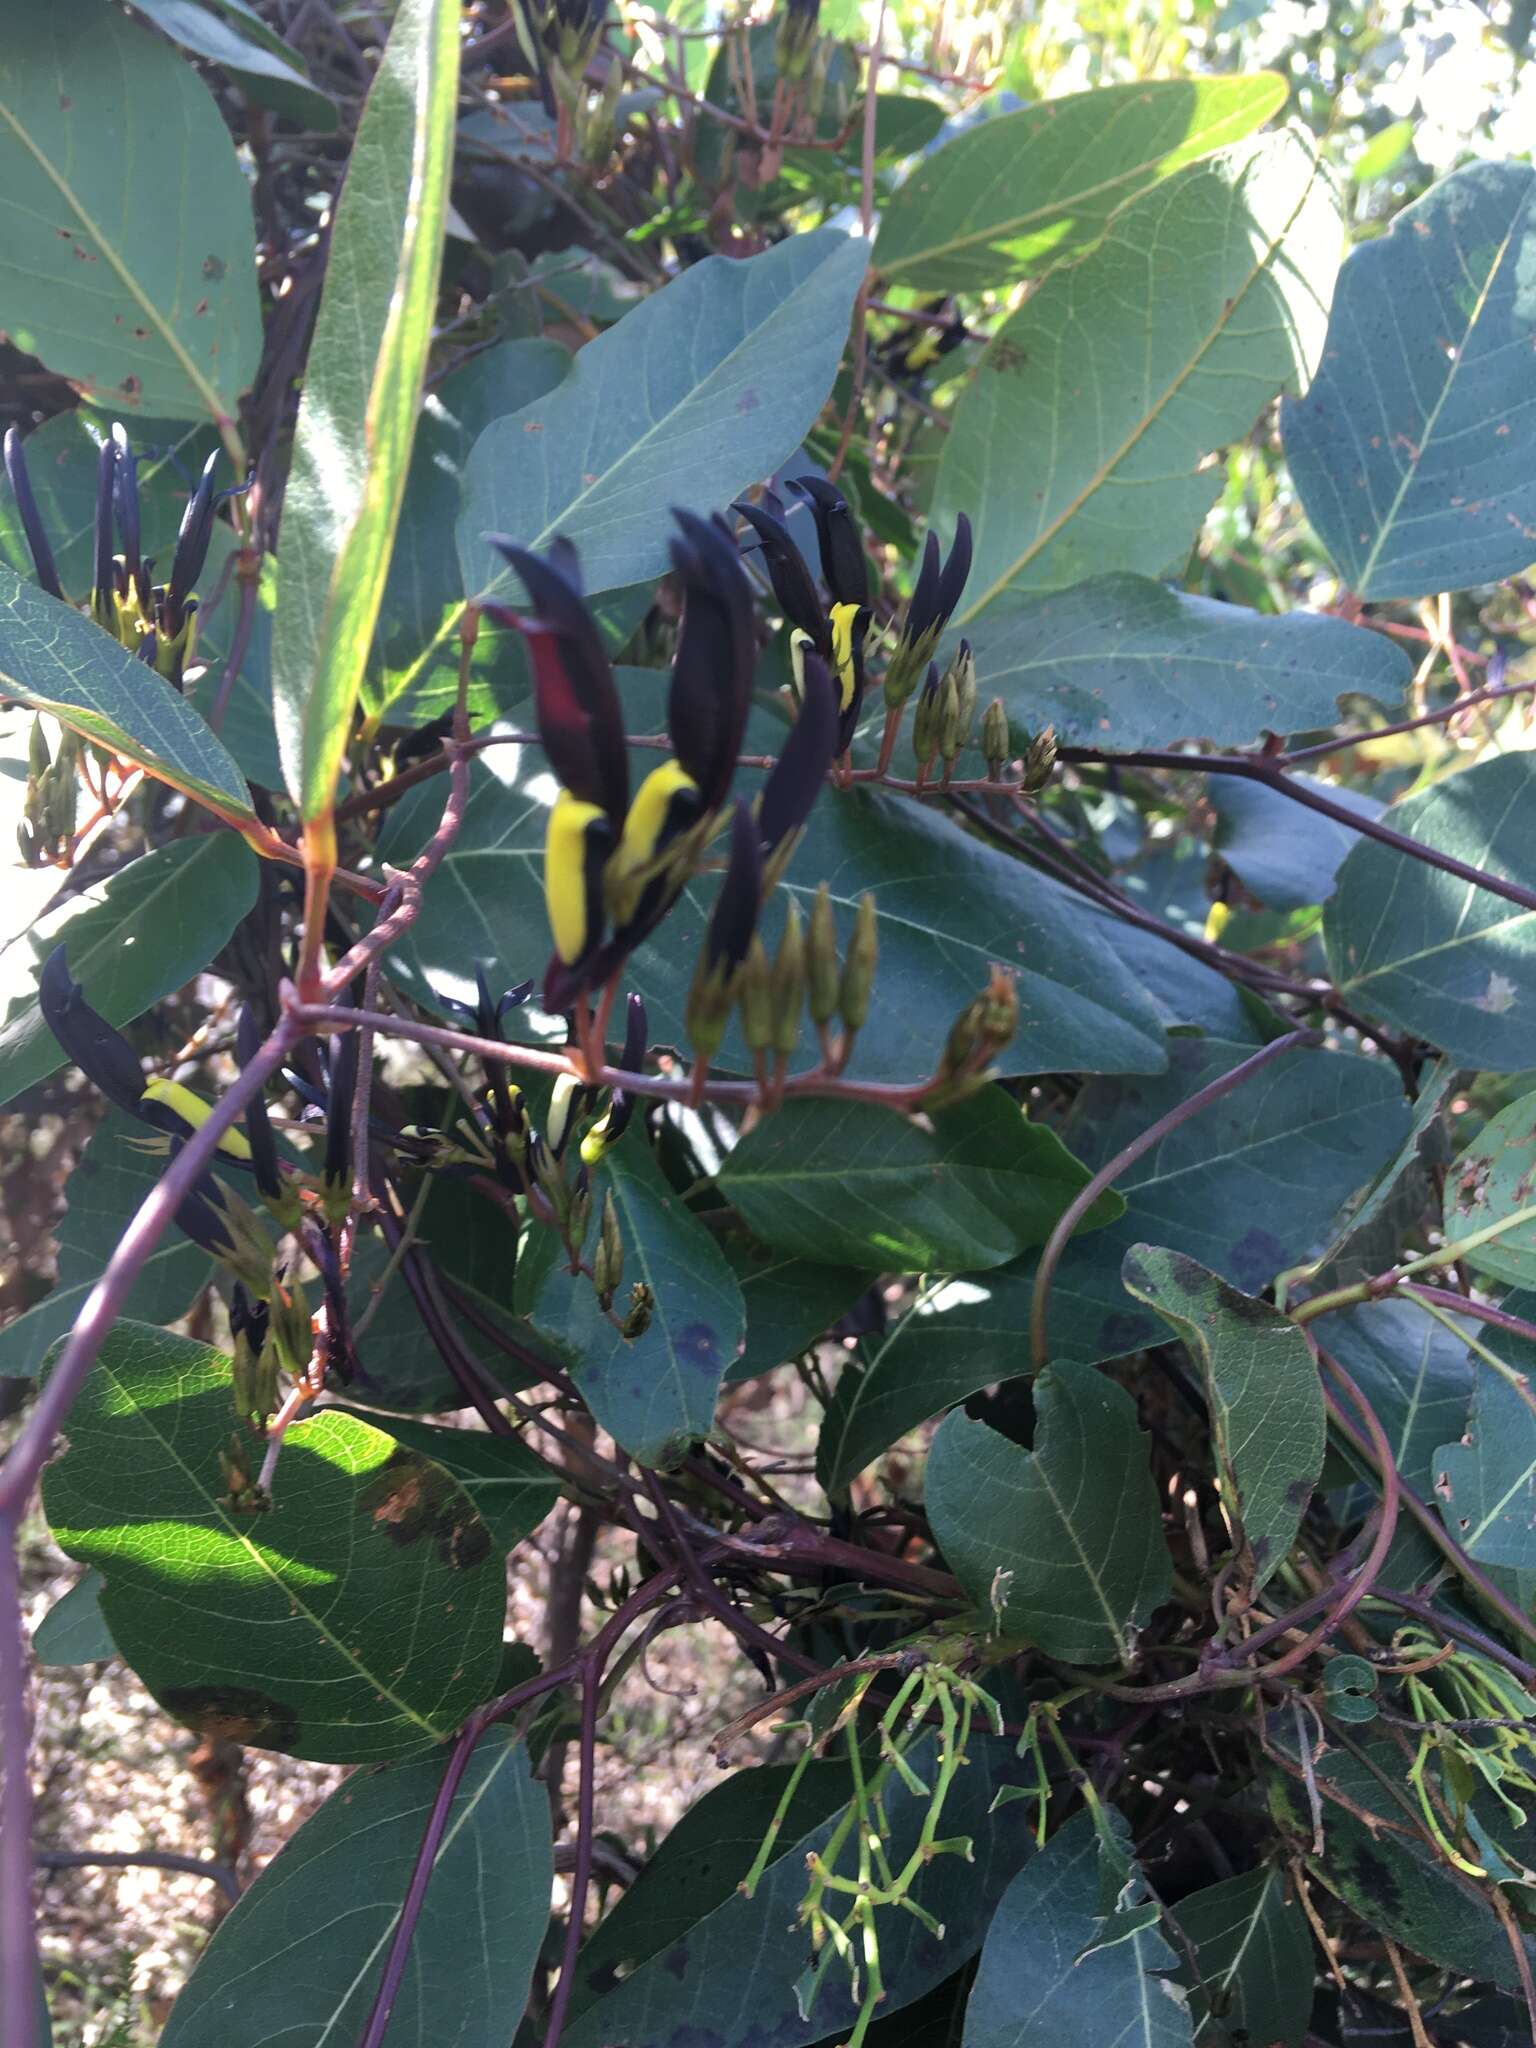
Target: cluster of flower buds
(937, 592)
(560, 39)
(46, 834)
(976, 1037)
(615, 862)
(797, 39)
(945, 712)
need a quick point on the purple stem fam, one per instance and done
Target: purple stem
(1483, 1311)
(18, 1942)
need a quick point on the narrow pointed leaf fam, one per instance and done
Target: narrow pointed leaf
(269, 71)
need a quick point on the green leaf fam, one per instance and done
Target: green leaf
(951, 1341)
(335, 1889)
(1368, 1233)
(1123, 661)
(1437, 956)
(1065, 1538)
(358, 1619)
(1485, 1482)
(1285, 864)
(57, 660)
(1383, 153)
(1247, 1188)
(730, 1976)
(789, 1303)
(1255, 1958)
(413, 665)
(62, 461)
(1010, 197)
(1080, 1007)
(362, 387)
(1081, 443)
(270, 72)
(1035, 1987)
(1261, 1387)
(102, 1195)
(125, 218)
(850, 1184)
(512, 1490)
(654, 1393)
(132, 939)
(1407, 448)
(73, 1631)
(246, 727)
(1492, 1182)
(704, 389)
(1416, 1374)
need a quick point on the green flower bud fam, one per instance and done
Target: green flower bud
(754, 993)
(789, 984)
(925, 720)
(822, 972)
(994, 738)
(708, 1009)
(1040, 759)
(289, 1331)
(963, 669)
(949, 717)
(39, 760)
(859, 967)
(608, 1259)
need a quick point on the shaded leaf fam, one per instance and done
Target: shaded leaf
(73, 1630)
(512, 1489)
(789, 1303)
(1416, 1374)
(1283, 862)
(1406, 449)
(704, 389)
(654, 1393)
(850, 1184)
(1491, 1183)
(1073, 1524)
(1262, 1389)
(269, 71)
(1011, 196)
(1485, 1481)
(1437, 956)
(358, 1619)
(362, 386)
(110, 1179)
(146, 307)
(1255, 1959)
(1081, 443)
(1367, 1236)
(1123, 661)
(335, 1890)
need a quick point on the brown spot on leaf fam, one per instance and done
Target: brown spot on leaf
(411, 1499)
(215, 267)
(235, 1712)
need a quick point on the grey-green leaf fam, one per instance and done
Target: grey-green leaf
(1255, 1961)
(358, 1619)
(73, 1630)
(1416, 1374)
(1407, 449)
(57, 660)
(130, 940)
(145, 300)
(1081, 444)
(851, 1184)
(334, 1893)
(1485, 1482)
(1066, 1539)
(111, 1178)
(789, 1303)
(1012, 196)
(704, 389)
(1284, 863)
(268, 70)
(1124, 661)
(1438, 956)
(1490, 1185)
(1262, 1390)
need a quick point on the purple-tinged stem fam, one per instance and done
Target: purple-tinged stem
(1461, 1305)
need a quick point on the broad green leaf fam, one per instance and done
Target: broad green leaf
(1080, 1007)
(1247, 1188)
(655, 1393)
(1416, 1374)
(1407, 448)
(57, 660)
(1485, 1481)
(1261, 1387)
(132, 939)
(1368, 1234)
(73, 1631)
(953, 1339)
(1437, 956)
(1081, 444)
(1065, 1539)
(1285, 863)
(127, 254)
(1491, 1183)
(1123, 661)
(728, 1980)
(789, 1303)
(850, 1184)
(62, 460)
(1035, 1988)
(512, 1489)
(110, 1179)
(1255, 1960)
(704, 389)
(362, 387)
(413, 665)
(1011, 197)
(269, 71)
(333, 1894)
(358, 1619)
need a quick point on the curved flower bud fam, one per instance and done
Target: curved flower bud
(731, 926)
(31, 518)
(711, 690)
(795, 779)
(192, 540)
(938, 591)
(102, 1054)
(103, 592)
(125, 501)
(580, 721)
(340, 1091)
(792, 582)
(615, 1121)
(842, 552)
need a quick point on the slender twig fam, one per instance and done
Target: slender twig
(1083, 1201)
(1464, 1305)
(150, 1859)
(18, 1939)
